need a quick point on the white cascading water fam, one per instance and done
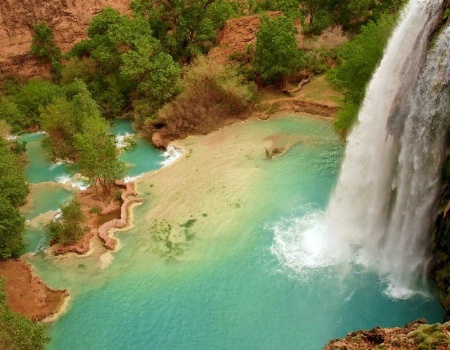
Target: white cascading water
(382, 209)
(367, 210)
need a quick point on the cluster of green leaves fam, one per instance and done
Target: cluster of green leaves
(18, 332)
(185, 28)
(359, 58)
(43, 47)
(68, 228)
(347, 13)
(13, 190)
(290, 8)
(98, 155)
(21, 108)
(64, 116)
(123, 61)
(276, 54)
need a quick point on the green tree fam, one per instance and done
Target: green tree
(12, 227)
(359, 58)
(130, 63)
(13, 190)
(13, 182)
(276, 54)
(43, 47)
(68, 229)
(18, 332)
(33, 96)
(186, 28)
(64, 117)
(97, 154)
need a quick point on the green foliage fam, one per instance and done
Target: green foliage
(18, 332)
(276, 54)
(22, 109)
(185, 28)
(11, 113)
(12, 227)
(13, 190)
(347, 13)
(98, 154)
(290, 8)
(68, 229)
(122, 61)
(43, 47)
(65, 116)
(359, 58)
(13, 183)
(211, 92)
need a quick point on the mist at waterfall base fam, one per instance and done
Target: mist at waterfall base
(381, 214)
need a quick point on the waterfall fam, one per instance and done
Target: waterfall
(381, 213)
(382, 208)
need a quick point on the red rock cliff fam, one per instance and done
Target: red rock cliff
(68, 18)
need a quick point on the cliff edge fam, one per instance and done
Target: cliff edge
(68, 18)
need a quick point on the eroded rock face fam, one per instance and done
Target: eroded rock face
(68, 18)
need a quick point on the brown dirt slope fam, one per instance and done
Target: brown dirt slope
(27, 294)
(68, 18)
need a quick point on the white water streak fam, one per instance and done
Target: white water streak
(380, 213)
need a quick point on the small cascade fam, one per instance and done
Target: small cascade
(382, 208)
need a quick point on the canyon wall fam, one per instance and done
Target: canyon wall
(68, 18)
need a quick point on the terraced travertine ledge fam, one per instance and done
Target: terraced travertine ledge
(103, 230)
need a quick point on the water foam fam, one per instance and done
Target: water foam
(171, 154)
(121, 139)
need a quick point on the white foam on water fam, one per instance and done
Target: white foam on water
(128, 179)
(171, 154)
(12, 137)
(80, 184)
(63, 179)
(121, 139)
(305, 243)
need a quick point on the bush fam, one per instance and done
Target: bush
(68, 229)
(276, 54)
(211, 93)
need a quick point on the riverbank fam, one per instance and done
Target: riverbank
(28, 294)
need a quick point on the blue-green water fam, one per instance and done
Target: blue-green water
(225, 289)
(140, 159)
(40, 168)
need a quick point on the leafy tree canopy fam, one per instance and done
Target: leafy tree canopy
(43, 47)
(68, 229)
(129, 63)
(185, 28)
(13, 190)
(276, 54)
(98, 154)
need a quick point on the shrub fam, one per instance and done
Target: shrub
(211, 93)
(68, 229)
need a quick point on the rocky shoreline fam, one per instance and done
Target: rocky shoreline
(414, 335)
